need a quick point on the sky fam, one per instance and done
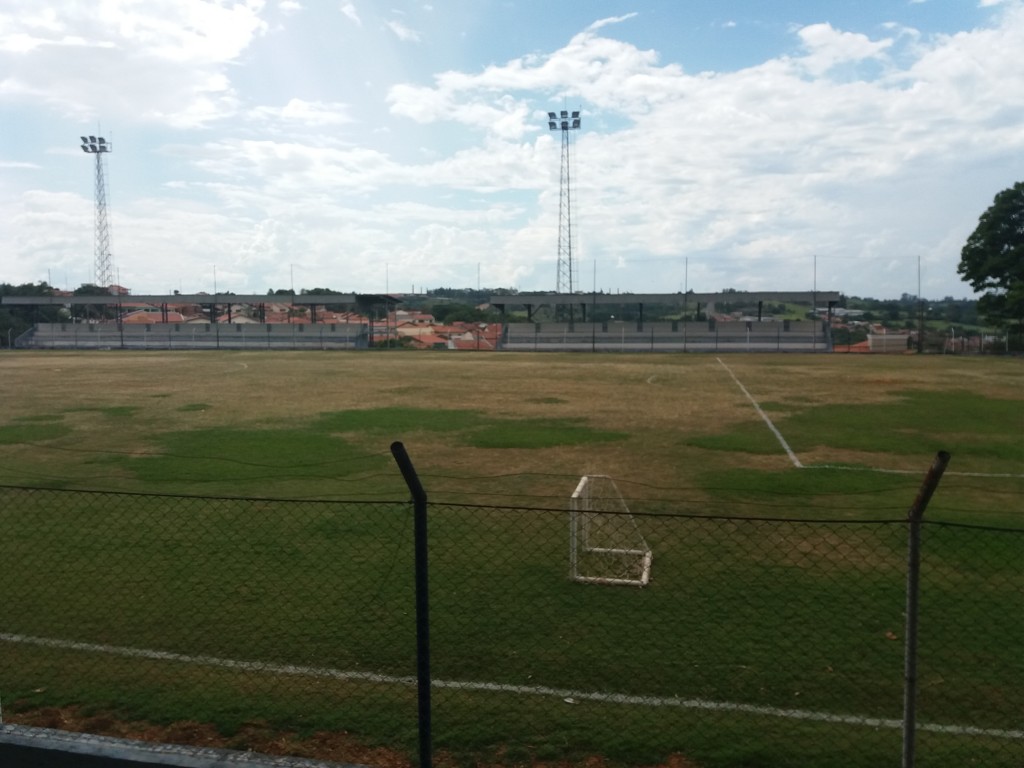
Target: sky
(404, 146)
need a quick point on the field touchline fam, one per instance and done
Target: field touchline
(523, 690)
(910, 471)
(778, 435)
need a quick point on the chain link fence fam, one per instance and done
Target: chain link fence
(754, 642)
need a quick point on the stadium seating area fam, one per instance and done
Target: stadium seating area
(194, 336)
(676, 336)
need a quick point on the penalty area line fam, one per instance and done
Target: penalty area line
(568, 695)
(771, 426)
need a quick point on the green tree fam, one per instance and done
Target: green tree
(94, 311)
(324, 292)
(452, 312)
(15, 319)
(992, 261)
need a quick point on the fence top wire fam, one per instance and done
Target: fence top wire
(202, 497)
(971, 526)
(513, 508)
(679, 515)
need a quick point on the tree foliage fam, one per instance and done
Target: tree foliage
(457, 312)
(992, 260)
(16, 319)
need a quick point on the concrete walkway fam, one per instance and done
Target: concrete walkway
(23, 747)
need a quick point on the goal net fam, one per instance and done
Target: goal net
(605, 544)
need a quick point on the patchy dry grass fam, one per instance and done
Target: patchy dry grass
(516, 426)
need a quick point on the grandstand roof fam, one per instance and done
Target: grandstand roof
(207, 298)
(619, 299)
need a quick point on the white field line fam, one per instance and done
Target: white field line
(568, 695)
(909, 471)
(799, 465)
(771, 426)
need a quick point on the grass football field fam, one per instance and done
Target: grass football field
(767, 486)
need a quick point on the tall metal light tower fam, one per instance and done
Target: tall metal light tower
(566, 261)
(103, 263)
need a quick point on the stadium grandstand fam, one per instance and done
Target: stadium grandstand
(359, 321)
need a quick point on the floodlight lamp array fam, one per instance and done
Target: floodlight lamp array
(563, 122)
(94, 144)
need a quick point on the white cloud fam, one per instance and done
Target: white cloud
(402, 32)
(349, 10)
(298, 112)
(610, 20)
(607, 73)
(827, 47)
(164, 59)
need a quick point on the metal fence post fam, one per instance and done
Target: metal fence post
(914, 516)
(419, 499)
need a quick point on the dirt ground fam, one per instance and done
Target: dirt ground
(333, 747)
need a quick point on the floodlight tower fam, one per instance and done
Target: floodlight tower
(566, 261)
(103, 264)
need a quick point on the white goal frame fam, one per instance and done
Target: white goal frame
(605, 543)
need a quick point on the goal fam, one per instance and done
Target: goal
(605, 543)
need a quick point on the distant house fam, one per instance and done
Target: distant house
(151, 317)
(459, 335)
(429, 341)
(401, 316)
